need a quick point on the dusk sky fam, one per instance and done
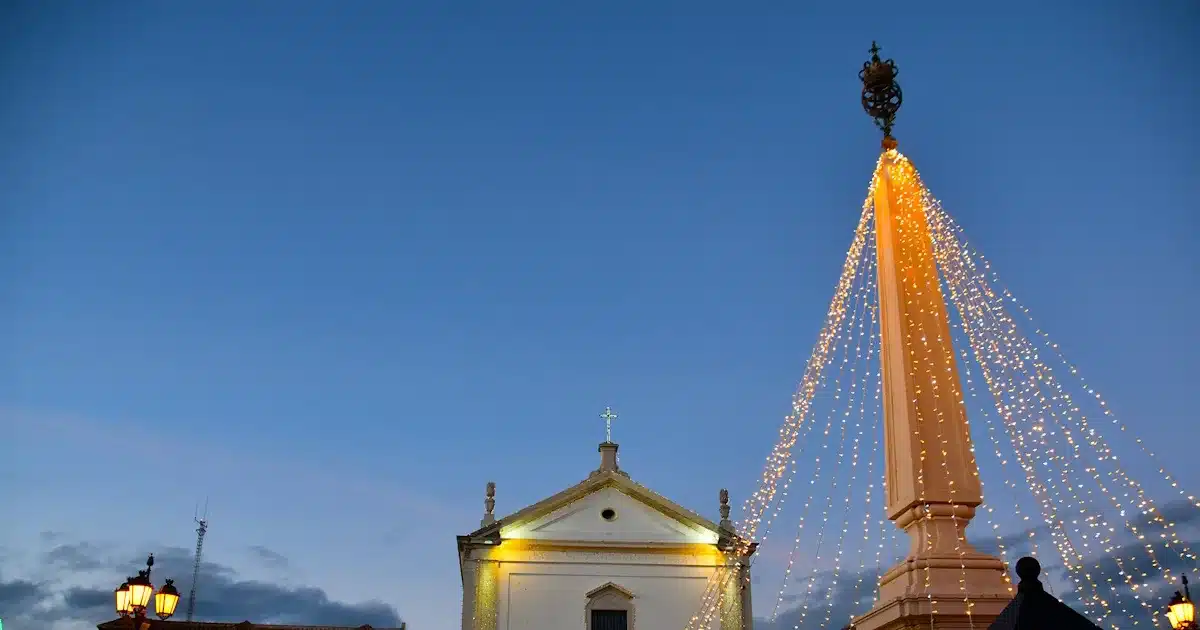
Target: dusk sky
(335, 266)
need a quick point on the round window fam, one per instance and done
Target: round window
(608, 514)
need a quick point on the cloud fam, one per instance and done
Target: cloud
(269, 558)
(838, 602)
(222, 594)
(80, 556)
(1181, 513)
(852, 594)
(19, 594)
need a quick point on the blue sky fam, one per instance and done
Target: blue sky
(337, 266)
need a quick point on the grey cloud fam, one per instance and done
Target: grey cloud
(1182, 513)
(268, 557)
(222, 595)
(849, 596)
(843, 600)
(88, 599)
(20, 594)
(75, 557)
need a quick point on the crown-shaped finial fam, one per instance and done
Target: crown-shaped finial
(881, 95)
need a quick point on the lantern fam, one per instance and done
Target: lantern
(122, 597)
(166, 600)
(140, 590)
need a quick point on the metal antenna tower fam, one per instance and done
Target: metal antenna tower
(202, 522)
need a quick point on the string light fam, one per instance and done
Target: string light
(757, 503)
(1095, 438)
(861, 296)
(1088, 501)
(861, 301)
(1072, 427)
(877, 442)
(860, 391)
(995, 365)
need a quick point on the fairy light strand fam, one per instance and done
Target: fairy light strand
(1057, 404)
(857, 315)
(1061, 398)
(1089, 503)
(1096, 440)
(756, 504)
(861, 386)
(876, 439)
(859, 295)
(994, 365)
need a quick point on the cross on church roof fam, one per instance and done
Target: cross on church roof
(608, 417)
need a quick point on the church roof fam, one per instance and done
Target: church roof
(607, 476)
(1035, 609)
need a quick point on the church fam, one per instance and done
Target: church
(604, 554)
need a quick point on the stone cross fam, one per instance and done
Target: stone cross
(608, 417)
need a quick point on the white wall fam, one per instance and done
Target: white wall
(549, 590)
(547, 566)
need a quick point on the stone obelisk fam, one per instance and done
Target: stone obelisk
(932, 481)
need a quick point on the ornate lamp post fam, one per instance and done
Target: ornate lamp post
(1181, 612)
(133, 597)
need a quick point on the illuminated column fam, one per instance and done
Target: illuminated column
(932, 480)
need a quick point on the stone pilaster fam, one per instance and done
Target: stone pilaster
(487, 591)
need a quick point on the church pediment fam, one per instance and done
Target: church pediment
(606, 508)
(610, 589)
(611, 514)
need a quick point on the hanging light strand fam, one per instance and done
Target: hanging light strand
(755, 506)
(993, 366)
(819, 458)
(857, 315)
(1074, 430)
(841, 347)
(1012, 388)
(870, 382)
(862, 385)
(861, 298)
(1094, 438)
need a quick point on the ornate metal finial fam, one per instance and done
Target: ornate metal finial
(725, 508)
(881, 95)
(608, 416)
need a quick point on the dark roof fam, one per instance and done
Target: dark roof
(156, 624)
(1035, 609)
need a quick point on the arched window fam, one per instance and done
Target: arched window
(609, 607)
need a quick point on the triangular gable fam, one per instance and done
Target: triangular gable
(643, 510)
(608, 514)
(607, 588)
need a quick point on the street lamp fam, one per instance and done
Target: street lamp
(133, 597)
(1181, 612)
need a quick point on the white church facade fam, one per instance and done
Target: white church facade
(604, 554)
